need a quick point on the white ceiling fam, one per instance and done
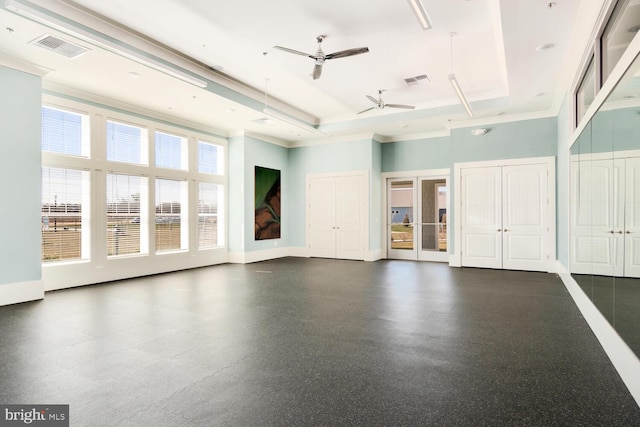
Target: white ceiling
(493, 55)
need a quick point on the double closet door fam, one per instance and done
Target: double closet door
(336, 216)
(505, 216)
(605, 221)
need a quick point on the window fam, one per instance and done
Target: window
(171, 215)
(65, 214)
(620, 30)
(171, 151)
(126, 143)
(209, 205)
(586, 91)
(126, 214)
(210, 158)
(65, 132)
(118, 189)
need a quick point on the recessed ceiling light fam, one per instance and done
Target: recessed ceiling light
(634, 29)
(134, 75)
(545, 46)
(538, 94)
(500, 113)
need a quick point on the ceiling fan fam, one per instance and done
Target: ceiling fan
(320, 56)
(381, 105)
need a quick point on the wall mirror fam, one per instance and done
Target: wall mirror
(605, 208)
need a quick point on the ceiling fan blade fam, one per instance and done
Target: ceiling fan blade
(297, 52)
(368, 109)
(317, 70)
(375, 101)
(408, 107)
(348, 52)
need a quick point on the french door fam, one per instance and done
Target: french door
(417, 219)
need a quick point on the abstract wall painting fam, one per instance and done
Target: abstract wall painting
(267, 203)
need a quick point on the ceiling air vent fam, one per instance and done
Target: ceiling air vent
(412, 81)
(60, 46)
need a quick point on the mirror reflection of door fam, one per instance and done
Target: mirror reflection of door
(417, 219)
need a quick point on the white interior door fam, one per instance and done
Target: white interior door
(594, 240)
(349, 215)
(524, 213)
(505, 216)
(336, 216)
(632, 218)
(322, 217)
(481, 217)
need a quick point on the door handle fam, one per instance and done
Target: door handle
(620, 232)
(505, 230)
(628, 232)
(611, 232)
(499, 229)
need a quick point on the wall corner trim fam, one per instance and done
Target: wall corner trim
(14, 293)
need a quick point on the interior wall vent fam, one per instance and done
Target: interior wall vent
(58, 45)
(422, 78)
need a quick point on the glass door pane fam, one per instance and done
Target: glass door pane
(401, 221)
(433, 220)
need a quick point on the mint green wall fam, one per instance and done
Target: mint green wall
(420, 154)
(514, 140)
(326, 158)
(245, 153)
(615, 130)
(20, 171)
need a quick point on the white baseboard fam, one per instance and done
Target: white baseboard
(622, 357)
(257, 256)
(560, 268)
(372, 256)
(13, 293)
(454, 260)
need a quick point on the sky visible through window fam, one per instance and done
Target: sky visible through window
(63, 132)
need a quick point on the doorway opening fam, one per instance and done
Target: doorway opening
(417, 218)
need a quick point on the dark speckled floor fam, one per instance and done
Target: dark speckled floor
(314, 342)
